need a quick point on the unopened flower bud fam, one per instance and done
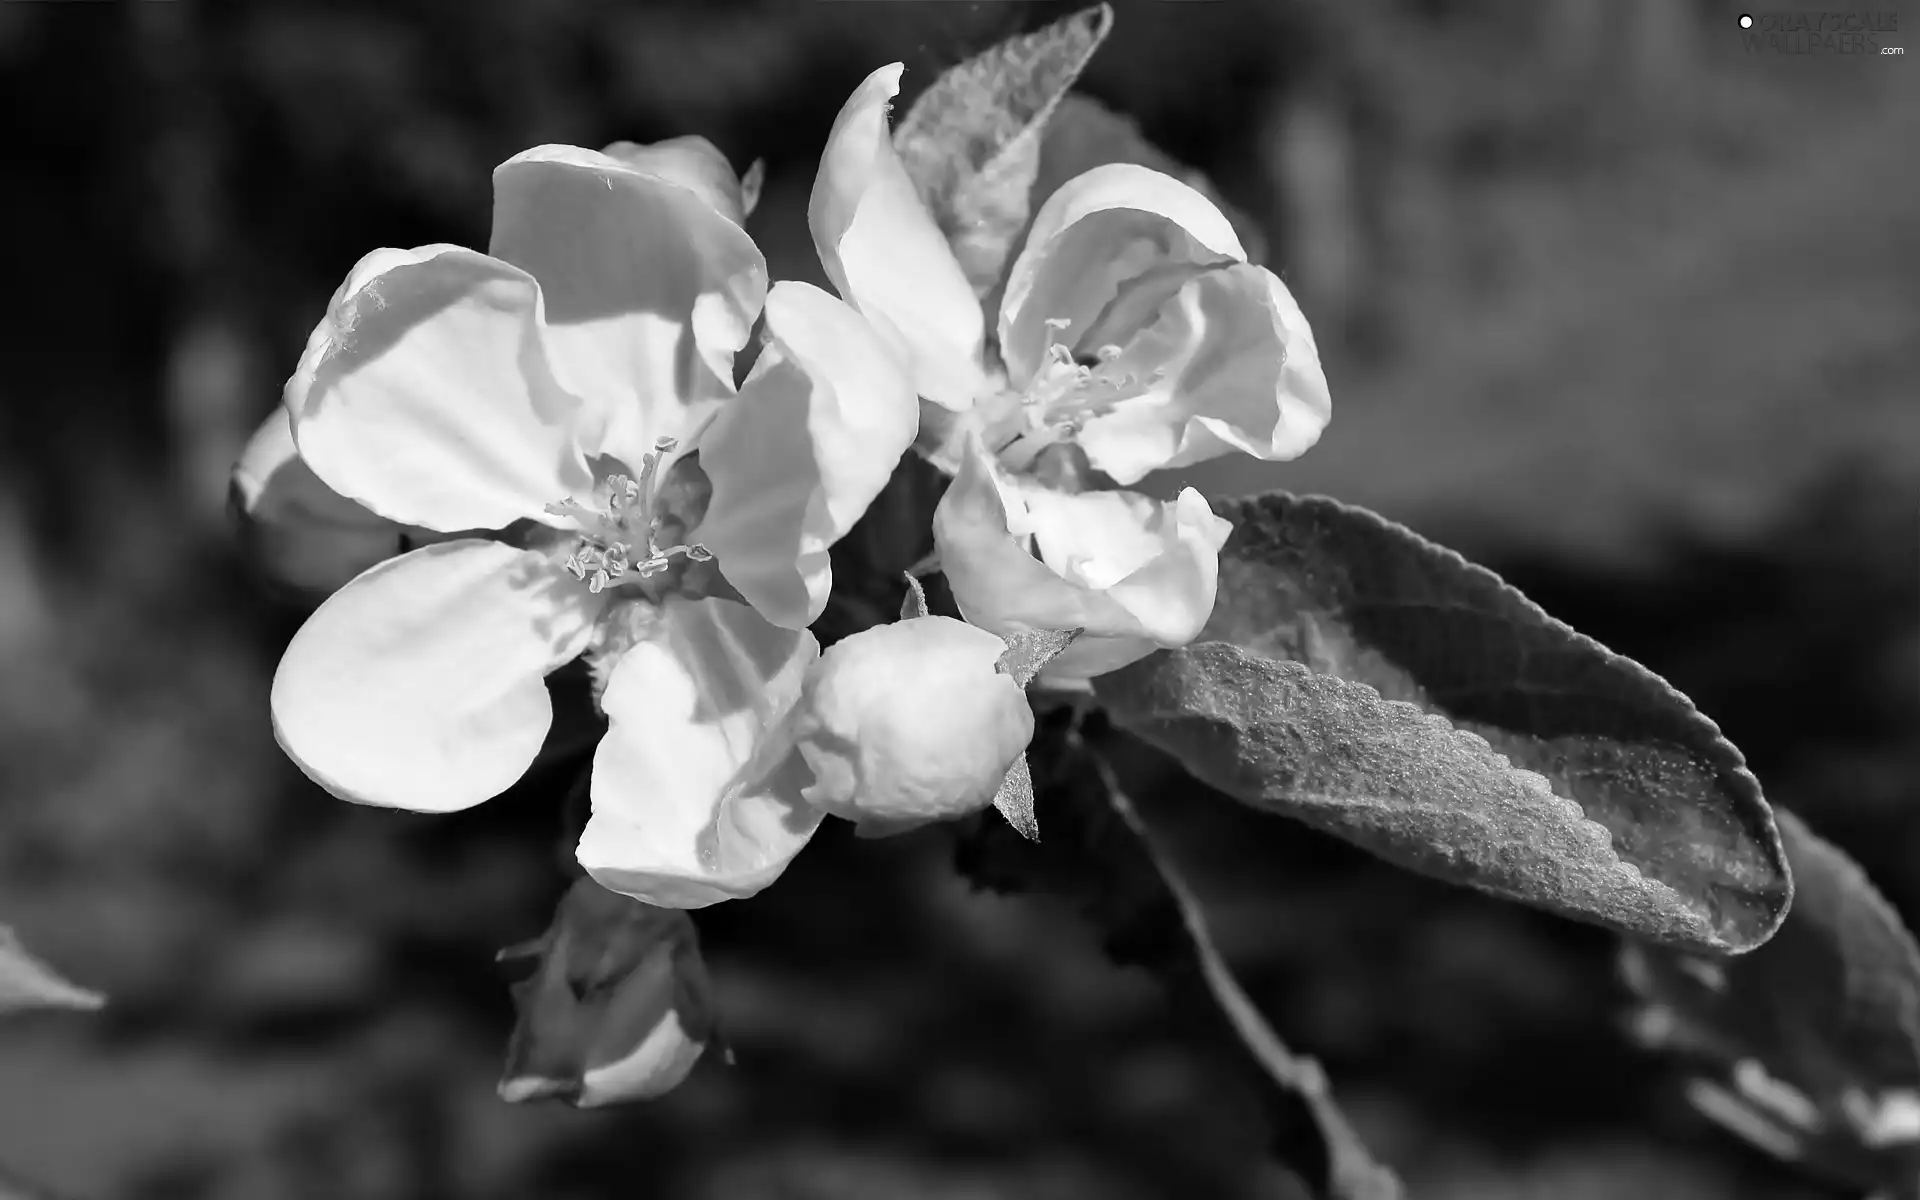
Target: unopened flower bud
(618, 1006)
(911, 722)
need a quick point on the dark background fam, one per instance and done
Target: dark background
(1624, 311)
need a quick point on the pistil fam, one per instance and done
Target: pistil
(621, 539)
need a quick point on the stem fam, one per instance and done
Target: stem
(1095, 850)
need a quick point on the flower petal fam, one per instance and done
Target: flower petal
(1229, 364)
(420, 684)
(912, 722)
(982, 537)
(1158, 561)
(650, 288)
(696, 794)
(814, 435)
(1119, 235)
(1134, 573)
(298, 531)
(694, 163)
(886, 256)
(426, 393)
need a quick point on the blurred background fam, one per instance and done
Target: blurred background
(1610, 304)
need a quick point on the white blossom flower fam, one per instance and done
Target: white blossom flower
(1132, 330)
(564, 404)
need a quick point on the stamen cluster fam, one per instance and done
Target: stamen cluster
(604, 555)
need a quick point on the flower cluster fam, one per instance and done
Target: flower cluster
(497, 463)
(1133, 335)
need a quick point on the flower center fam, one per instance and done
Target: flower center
(1056, 404)
(620, 538)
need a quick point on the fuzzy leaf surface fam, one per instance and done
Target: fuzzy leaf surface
(971, 141)
(1375, 685)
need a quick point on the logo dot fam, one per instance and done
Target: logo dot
(1746, 21)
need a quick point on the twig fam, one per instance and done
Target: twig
(1095, 850)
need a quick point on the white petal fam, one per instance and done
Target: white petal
(1135, 574)
(694, 163)
(660, 1062)
(1115, 230)
(420, 684)
(886, 256)
(982, 535)
(426, 393)
(814, 435)
(911, 722)
(650, 289)
(696, 794)
(298, 531)
(1158, 561)
(1228, 364)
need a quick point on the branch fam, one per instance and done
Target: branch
(1095, 851)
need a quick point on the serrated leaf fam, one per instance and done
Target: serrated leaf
(26, 982)
(1809, 1046)
(913, 605)
(1364, 680)
(971, 141)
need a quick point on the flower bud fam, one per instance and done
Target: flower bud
(911, 722)
(618, 1006)
(298, 531)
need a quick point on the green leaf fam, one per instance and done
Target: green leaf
(971, 142)
(26, 982)
(1809, 1047)
(1370, 683)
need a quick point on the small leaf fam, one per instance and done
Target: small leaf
(914, 604)
(1030, 651)
(971, 142)
(26, 982)
(1014, 801)
(1100, 856)
(1364, 680)
(1809, 1047)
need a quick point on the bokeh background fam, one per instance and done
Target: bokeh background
(1610, 304)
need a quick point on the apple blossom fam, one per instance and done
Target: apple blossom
(564, 406)
(1133, 334)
